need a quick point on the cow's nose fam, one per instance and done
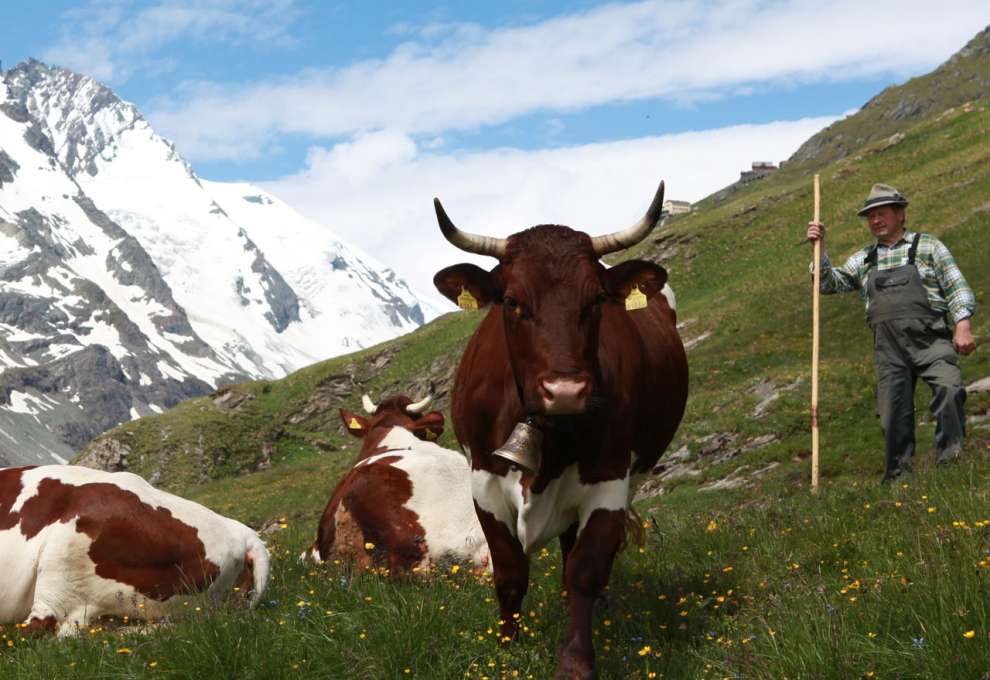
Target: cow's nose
(563, 395)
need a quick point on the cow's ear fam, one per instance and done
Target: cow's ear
(623, 278)
(355, 424)
(429, 426)
(466, 285)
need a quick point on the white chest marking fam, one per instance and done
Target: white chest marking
(543, 516)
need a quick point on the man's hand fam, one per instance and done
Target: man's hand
(962, 338)
(816, 231)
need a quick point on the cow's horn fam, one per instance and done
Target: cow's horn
(369, 406)
(420, 405)
(620, 240)
(472, 243)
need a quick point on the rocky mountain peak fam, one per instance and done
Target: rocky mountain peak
(127, 284)
(82, 119)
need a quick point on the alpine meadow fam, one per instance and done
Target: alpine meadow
(738, 570)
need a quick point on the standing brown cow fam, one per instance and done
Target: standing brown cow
(592, 357)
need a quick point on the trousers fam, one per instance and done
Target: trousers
(905, 350)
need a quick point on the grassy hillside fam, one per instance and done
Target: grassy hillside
(762, 580)
(289, 427)
(963, 78)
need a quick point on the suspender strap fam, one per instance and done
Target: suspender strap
(914, 248)
(871, 257)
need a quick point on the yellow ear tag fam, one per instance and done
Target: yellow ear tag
(467, 301)
(636, 299)
(354, 424)
(431, 435)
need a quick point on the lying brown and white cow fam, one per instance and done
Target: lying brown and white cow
(77, 544)
(406, 503)
(590, 356)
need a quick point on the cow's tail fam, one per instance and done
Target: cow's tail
(258, 561)
(635, 527)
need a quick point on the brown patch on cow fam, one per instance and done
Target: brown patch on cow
(133, 543)
(350, 540)
(38, 627)
(10, 489)
(326, 532)
(368, 506)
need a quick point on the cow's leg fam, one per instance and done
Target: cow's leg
(59, 585)
(52, 609)
(567, 540)
(511, 571)
(588, 567)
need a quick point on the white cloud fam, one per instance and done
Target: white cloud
(466, 77)
(111, 39)
(382, 201)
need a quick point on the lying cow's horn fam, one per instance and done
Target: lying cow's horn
(619, 240)
(420, 405)
(472, 243)
(369, 406)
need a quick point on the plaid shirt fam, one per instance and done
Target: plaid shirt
(948, 291)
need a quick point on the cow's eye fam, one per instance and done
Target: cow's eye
(514, 307)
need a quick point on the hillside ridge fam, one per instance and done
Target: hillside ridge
(964, 77)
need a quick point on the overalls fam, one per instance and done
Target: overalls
(911, 341)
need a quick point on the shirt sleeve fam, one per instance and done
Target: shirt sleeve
(842, 279)
(958, 294)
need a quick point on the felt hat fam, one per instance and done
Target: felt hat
(882, 194)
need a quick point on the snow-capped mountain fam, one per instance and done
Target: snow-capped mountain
(347, 299)
(128, 284)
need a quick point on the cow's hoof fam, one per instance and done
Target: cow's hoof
(38, 626)
(507, 635)
(572, 667)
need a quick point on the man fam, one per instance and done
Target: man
(919, 306)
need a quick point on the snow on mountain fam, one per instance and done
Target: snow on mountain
(348, 300)
(128, 284)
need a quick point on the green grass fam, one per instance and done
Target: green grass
(767, 581)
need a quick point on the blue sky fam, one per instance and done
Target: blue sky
(358, 113)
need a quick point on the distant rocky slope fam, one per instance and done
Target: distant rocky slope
(128, 284)
(963, 78)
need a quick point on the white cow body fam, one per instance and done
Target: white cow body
(70, 536)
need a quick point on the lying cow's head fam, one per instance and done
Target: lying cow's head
(552, 289)
(396, 411)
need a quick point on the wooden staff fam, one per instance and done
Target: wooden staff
(814, 345)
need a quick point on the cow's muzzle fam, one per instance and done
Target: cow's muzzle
(564, 396)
